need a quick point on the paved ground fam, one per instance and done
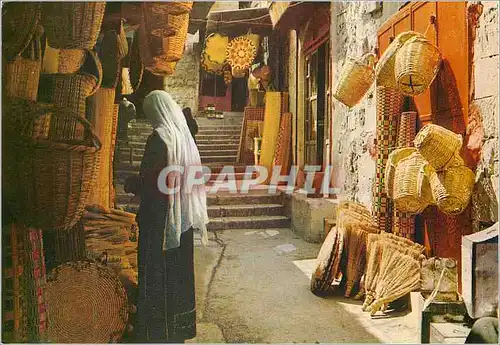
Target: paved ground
(253, 286)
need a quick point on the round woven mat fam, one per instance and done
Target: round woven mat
(87, 304)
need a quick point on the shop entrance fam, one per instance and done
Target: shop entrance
(239, 94)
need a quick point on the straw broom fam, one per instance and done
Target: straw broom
(374, 253)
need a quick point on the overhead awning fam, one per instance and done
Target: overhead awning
(198, 15)
(291, 14)
(238, 22)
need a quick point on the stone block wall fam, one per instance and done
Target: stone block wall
(483, 114)
(353, 32)
(183, 85)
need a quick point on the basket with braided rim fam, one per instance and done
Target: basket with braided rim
(412, 193)
(155, 17)
(19, 22)
(174, 45)
(384, 70)
(355, 80)
(417, 64)
(452, 188)
(394, 158)
(113, 49)
(240, 53)
(47, 181)
(86, 296)
(438, 145)
(72, 25)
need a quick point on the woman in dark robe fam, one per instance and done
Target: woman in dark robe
(166, 299)
(191, 122)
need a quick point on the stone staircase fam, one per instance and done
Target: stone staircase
(217, 141)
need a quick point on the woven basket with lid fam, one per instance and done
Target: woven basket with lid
(412, 191)
(438, 145)
(385, 66)
(355, 80)
(72, 25)
(417, 64)
(452, 188)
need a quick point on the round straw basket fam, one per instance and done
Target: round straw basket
(110, 56)
(48, 180)
(394, 158)
(19, 22)
(70, 60)
(88, 304)
(412, 193)
(72, 25)
(175, 44)
(155, 19)
(163, 68)
(385, 66)
(417, 64)
(438, 145)
(452, 189)
(356, 78)
(178, 7)
(136, 66)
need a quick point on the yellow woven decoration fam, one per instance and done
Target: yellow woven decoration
(215, 48)
(210, 66)
(241, 52)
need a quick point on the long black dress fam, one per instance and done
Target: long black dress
(166, 301)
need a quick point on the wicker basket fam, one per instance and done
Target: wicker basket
(22, 77)
(19, 22)
(452, 189)
(72, 25)
(95, 294)
(417, 64)
(394, 158)
(356, 79)
(385, 66)
(47, 182)
(174, 45)
(438, 145)
(155, 19)
(114, 48)
(412, 192)
(136, 66)
(163, 68)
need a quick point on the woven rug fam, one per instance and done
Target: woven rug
(404, 223)
(389, 107)
(253, 119)
(24, 312)
(283, 144)
(272, 116)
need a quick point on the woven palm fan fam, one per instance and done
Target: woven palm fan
(215, 48)
(88, 304)
(399, 275)
(240, 53)
(374, 255)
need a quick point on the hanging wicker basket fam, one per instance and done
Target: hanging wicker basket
(417, 64)
(215, 48)
(155, 19)
(355, 80)
(240, 53)
(384, 70)
(452, 188)
(19, 23)
(113, 49)
(22, 75)
(163, 68)
(174, 45)
(394, 158)
(438, 145)
(95, 293)
(136, 66)
(48, 181)
(72, 25)
(412, 192)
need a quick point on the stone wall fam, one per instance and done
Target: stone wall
(183, 85)
(483, 114)
(353, 32)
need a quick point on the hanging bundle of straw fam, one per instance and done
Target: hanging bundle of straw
(374, 250)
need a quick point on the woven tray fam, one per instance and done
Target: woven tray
(86, 296)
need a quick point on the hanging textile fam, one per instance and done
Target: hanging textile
(253, 120)
(283, 144)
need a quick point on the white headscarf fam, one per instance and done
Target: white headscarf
(186, 209)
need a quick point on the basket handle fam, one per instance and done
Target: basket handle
(91, 139)
(369, 59)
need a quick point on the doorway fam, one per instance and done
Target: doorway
(239, 94)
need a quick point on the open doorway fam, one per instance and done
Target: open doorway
(239, 94)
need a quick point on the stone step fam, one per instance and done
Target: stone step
(126, 198)
(212, 146)
(218, 159)
(216, 211)
(215, 131)
(137, 144)
(236, 176)
(243, 199)
(218, 142)
(208, 153)
(252, 222)
(215, 136)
